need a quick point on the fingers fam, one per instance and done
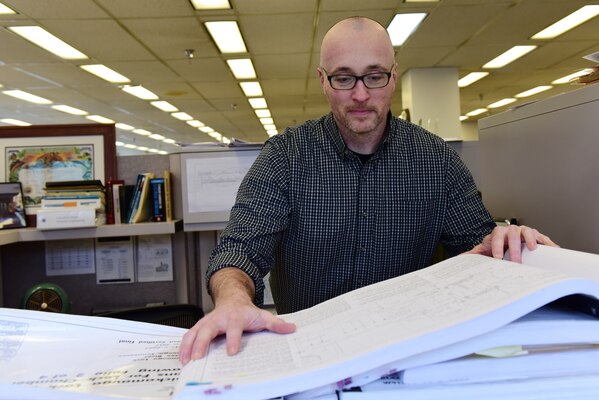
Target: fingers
(234, 331)
(512, 237)
(277, 325)
(232, 323)
(498, 241)
(196, 341)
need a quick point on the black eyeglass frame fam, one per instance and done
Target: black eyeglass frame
(359, 78)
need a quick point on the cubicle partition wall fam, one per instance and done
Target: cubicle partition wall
(540, 163)
(208, 179)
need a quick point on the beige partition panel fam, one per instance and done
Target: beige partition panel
(540, 163)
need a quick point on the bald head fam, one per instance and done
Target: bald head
(355, 37)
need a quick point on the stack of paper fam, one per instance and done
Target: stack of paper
(422, 328)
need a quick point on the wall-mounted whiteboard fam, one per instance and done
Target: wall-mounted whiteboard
(210, 180)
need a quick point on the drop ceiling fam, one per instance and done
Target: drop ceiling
(146, 40)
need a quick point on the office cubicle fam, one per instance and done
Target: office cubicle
(540, 164)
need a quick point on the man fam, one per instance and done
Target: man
(344, 201)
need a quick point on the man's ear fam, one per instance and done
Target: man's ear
(321, 77)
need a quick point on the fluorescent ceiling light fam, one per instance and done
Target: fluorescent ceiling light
(242, 68)
(142, 132)
(163, 152)
(266, 121)
(501, 103)
(403, 25)
(169, 141)
(100, 119)
(206, 129)
(565, 24)
(5, 10)
(263, 113)
(156, 136)
(211, 4)
(182, 116)
(478, 111)
(532, 91)
(21, 95)
(164, 106)
(471, 78)
(102, 71)
(47, 41)
(69, 110)
(269, 127)
(251, 89)
(463, 117)
(142, 148)
(258, 102)
(272, 132)
(226, 140)
(215, 135)
(509, 56)
(227, 36)
(195, 123)
(130, 146)
(124, 127)
(568, 78)
(119, 144)
(140, 92)
(17, 122)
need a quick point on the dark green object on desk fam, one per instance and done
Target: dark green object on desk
(46, 297)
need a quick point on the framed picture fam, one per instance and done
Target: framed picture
(12, 212)
(34, 155)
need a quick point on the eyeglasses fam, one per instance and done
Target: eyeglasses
(374, 80)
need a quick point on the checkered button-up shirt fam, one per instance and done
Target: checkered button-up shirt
(324, 223)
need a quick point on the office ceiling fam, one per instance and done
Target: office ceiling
(146, 40)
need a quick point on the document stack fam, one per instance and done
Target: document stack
(470, 327)
(72, 204)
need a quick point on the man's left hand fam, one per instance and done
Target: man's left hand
(511, 238)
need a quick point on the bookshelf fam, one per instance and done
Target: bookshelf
(102, 231)
(22, 265)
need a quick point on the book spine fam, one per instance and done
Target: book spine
(110, 219)
(159, 211)
(109, 208)
(125, 196)
(116, 202)
(72, 202)
(135, 198)
(143, 210)
(168, 196)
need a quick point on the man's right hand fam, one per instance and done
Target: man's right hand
(233, 314)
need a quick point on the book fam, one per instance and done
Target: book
(141, 207)
(125, 196)
(568, 387)
(552, 328)
(168, 195)
(158, 200)
(70, 185)
(73, 201)
(116, 202)
(68, 217)
(403, 322)
(110, 219)
(452, 309)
